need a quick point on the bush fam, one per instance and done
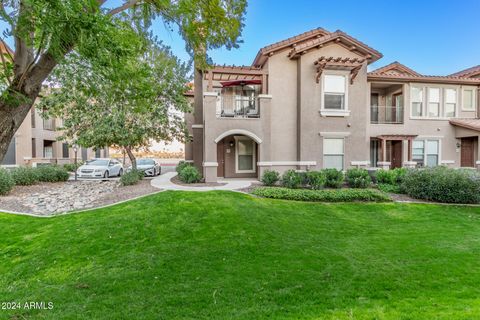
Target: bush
(291, 179)
(342, 195)
(358, 178)
(316, 179)
(6, 182)
(443, 185)
(70, 167)
(51, 174)
(393, 177)
(24, 176)
(181, 165)
(132, 177)
(334, 178)
(389, 188)
(270, 177)
(189, 174)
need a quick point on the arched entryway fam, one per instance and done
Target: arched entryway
(237, 156)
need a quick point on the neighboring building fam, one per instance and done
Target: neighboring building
(309, 102)
(36, 140)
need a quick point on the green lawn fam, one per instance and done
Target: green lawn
(223, 255)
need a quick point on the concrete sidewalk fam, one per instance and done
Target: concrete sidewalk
(163, 182)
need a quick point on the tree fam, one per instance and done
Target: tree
(46, 31)
(124, 109)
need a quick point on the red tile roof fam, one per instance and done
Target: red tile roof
(395, 68)
(473, 71)
(473, 124)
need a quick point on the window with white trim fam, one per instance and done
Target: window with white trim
(426, 152)
(245, 155)
(416, 95)
(450, 103)
(333, 153)
(334, 91)
(433, 102)
(468, 100)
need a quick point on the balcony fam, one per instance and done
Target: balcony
(386, 114)
(238, 106)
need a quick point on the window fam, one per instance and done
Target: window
(450, 102)
(418, 152)
(32, 114)
(65, 150)
(433, 102)
(334, 87)
(245, 159)
(97, 153)
(333, 151)
(432, 153)
(34, 148)
(417, 101)
(468, 103)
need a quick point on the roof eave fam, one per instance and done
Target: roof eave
(423, 79)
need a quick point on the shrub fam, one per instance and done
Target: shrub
(316, 179)
(270, 177)
(358, 178)
(334, 178)
(181, 165)
(189, 174)
(6, 182)
(342, 195)
(389, 188)
(24, 176)
(70, 167)
(291, 179)
(392, 177)
(443, 185)
(51, 174)
(130, 178)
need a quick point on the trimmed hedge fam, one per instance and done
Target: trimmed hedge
(270, 177)
(291, 179)
(6, 182)
(442, 184)
(70, 167)
(341, 195)
(132, 177)
(189, 174)
(334, 178)
(393, 177)
(51, 174)
(24, 176)
(389, 188)
(358, 178)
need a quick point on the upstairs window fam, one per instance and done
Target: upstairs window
(450, 102)
(468, 103)
(433, 102)
(417, 101)
(334, 88)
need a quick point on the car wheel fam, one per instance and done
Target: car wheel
(120, 173)
(106, 175)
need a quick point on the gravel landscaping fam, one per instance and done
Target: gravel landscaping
(47, 199)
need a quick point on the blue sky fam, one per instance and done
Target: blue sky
(432, 37)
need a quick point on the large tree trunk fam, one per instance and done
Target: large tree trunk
(132, 158)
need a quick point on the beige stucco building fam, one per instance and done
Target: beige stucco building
(309, 102)
(36, 142)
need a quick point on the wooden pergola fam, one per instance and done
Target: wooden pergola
(235, 73)
(339, 63)
(395, 137)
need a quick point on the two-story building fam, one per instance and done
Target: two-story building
(309, 102)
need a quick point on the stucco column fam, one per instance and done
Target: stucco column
(383, 164)
(209, 163)
(409, 163)
(265, 151)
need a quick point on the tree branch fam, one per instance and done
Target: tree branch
(123, 7)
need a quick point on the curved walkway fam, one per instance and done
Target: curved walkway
(163, 182)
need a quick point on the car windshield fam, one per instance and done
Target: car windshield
(143, 162)
(98, 163)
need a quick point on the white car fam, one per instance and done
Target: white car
(150, 167)
(100, 168)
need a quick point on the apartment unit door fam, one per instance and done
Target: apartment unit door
(467, 155)
(396, 158)
(221, 159)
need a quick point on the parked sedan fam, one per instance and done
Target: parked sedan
(150, 167)
(100, 168)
